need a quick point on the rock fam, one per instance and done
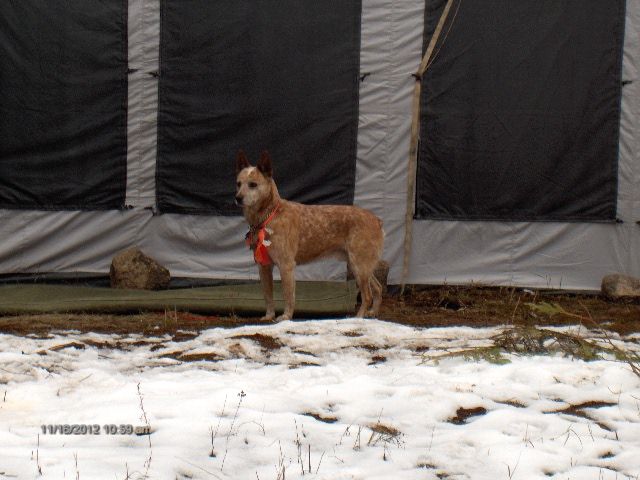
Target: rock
(134, 270)
(381, 273)
(618, 285)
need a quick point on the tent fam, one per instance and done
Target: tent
(119, 124)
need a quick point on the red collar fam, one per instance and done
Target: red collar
(259, 246)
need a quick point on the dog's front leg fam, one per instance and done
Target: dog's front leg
(288, 290)
(266, 278)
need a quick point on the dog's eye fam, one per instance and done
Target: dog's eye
(253, 184)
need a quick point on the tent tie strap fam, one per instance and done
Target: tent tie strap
(426, 62)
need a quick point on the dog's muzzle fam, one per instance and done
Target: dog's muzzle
(238, 201)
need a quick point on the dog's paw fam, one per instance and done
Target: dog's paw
(268, 318)
(283, 318)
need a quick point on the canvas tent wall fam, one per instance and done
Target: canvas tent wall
(120, 121)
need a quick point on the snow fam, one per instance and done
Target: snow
(352, 399)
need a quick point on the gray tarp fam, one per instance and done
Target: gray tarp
(312, 298)
(568, 255)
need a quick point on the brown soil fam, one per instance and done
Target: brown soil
(483, 306)
(194, 357)
(420, 306)
(266, 342)
(464, 414)
(322, 418)
(578, 411)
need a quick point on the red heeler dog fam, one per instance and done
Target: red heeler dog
(286, 234)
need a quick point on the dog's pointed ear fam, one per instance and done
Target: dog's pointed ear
(242, 161)
(264, 164)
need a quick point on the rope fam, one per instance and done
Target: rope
(413, 147)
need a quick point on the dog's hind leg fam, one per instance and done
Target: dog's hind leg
(377, 296)
(362, 279)
(362, 271)
(363, 247)
(362, 276)
(266, 278)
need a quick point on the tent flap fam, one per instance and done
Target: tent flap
(521, 112)
(280, 76)
(63, 78)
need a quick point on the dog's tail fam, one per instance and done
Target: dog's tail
(384, 234)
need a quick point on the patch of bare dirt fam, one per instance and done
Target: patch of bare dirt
(420, 306)
(579, 411)
(194, 357)
(352, 333)
(376, 359)
(293, 366)
(488, 306)
(464, 414)
(321, 417)
(512, 403)
(55, 348)
(266, 342)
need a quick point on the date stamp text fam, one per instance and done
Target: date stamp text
(94, 429)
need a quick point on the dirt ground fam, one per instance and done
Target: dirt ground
(420, 306)
(481, 307)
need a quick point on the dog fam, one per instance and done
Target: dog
(286, 234)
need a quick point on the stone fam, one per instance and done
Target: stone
(132, 269)
(381, 273)
(618, 285)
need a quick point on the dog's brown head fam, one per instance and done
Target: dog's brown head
(253, 184)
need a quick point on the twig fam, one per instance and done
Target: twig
(235, 416)
(356, 444)
(215, 433)
(515, 467)
(513, 314)
(630, 358)
(320, 462)
(280, 469)
(431, 441)
(198, 467)
(143, 417)
(38, 456)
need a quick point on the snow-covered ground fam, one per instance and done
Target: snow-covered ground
(327, 399)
